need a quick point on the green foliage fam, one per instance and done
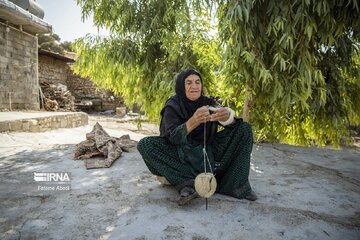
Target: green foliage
(66, 46)
(298, 60)
(51, 42)
(151, 42)
(138, 123)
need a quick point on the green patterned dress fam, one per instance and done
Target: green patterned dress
(180, 160)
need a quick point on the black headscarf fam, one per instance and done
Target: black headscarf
(179, 109)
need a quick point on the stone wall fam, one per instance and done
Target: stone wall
(19, 87)
(84, 89)
(45, 123)
(52, 70)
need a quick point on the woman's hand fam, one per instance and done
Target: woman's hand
(201, 115)
(220, 114)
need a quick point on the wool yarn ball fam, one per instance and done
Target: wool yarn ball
(205, 184)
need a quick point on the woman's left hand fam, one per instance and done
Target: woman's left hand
(221, 114)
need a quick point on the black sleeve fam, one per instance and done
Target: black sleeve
(171, 120)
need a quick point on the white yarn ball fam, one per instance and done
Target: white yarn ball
(205, 184)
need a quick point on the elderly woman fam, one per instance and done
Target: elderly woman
(177, 155)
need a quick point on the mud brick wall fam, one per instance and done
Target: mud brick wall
(19, 85)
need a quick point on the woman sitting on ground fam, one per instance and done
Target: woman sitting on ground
(177, 155)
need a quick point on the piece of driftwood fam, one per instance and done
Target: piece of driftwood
(100, 144)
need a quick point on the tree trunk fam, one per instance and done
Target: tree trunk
(247, 104)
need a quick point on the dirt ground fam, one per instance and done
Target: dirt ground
(304, 193)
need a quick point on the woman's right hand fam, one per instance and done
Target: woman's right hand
(201, 115)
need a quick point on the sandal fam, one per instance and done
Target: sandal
(186, 195)
(251, 196)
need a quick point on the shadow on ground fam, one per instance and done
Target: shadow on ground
(304, 193)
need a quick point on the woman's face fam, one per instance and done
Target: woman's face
(193, 87)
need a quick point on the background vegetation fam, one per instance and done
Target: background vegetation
(291, 67)
(51, 42)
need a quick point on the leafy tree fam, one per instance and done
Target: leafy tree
(151, 42)
(292, 66)
(67, 46)
(51, 42)
(297, 64)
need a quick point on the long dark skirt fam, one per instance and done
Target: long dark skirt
(231, 148)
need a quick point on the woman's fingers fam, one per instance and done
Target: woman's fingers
(202, 114)
(222, 114)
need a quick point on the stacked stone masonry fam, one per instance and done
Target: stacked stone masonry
(52, 70)
(22, 69)
(83, 88)
(19, 87)
(57, 71)
(43, 124)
